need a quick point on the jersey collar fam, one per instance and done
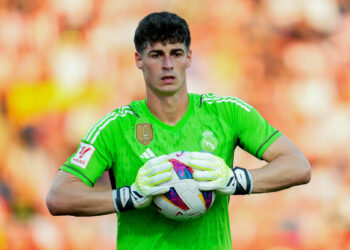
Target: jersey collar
(179, 124)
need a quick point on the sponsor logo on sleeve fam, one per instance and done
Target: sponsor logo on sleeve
(83, 156)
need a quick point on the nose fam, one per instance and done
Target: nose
(167, 63)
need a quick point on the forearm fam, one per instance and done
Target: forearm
(283, 172)
(82, 203)
(72, 197)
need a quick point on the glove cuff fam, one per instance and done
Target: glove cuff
(122, 199)
(128, 198)
(244, 181)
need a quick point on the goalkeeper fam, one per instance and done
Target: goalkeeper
(132, 143)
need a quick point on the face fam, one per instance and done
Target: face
(164, 67)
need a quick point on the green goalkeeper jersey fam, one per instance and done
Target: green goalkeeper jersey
(124, 140)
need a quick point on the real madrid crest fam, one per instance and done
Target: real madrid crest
(209, 143)
(144, 133)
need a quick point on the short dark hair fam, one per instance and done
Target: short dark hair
(164, 27)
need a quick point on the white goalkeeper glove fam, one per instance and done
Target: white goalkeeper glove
(212, 173)
(139, 194)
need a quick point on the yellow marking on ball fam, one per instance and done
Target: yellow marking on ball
(166, 199)
(202, 198)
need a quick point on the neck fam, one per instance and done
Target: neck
(168, 109)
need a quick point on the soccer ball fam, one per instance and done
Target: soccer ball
(184, 201)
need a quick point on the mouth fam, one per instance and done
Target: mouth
(168, 78)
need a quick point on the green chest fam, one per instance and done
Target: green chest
(145, 139)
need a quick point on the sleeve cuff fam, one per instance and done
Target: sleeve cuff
(78, 174)
(261, 150)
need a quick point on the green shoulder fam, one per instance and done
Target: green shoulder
(224, 101)
(107, 121)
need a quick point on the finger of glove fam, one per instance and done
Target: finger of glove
(156, 161)
(201, 164)
(159, 178)
(160, 168)
(226, 191)
(144, 202)
(159, 189)
(204, 175)
(202, 156)
(207, 185)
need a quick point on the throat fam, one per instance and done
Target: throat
(169, 110)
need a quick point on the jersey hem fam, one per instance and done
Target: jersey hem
(78, 174)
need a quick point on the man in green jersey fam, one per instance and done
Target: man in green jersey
(133, 142)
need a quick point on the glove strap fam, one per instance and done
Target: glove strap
(122, 199)
(243, 181)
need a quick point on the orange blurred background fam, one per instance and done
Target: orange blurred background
(64, 64)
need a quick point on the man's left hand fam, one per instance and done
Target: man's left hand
(212, 173)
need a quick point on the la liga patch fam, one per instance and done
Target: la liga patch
(83, 156)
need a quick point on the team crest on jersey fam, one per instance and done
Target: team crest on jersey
(209, 143)
(82, 157)
(144, 133)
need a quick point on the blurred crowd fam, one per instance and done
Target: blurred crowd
(64, 64)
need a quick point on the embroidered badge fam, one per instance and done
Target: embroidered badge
(144, 133)
(209, 143)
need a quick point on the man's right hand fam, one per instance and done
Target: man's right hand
(146, 185)
(149, 176)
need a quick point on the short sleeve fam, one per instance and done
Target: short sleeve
(254, 134)
(93, 156)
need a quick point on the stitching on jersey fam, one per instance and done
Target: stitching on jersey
(132, 110)
(79, 173)
(200, 101)
(256, 155)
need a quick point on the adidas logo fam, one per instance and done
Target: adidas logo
(148, 154)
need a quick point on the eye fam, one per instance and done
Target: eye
(155, 56)
(178, 54)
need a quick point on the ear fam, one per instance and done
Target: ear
(189, 58)
(138, 60)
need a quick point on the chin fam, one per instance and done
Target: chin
(167, 92)
(171, 90)
(168, 89)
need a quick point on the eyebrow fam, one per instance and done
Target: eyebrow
(161, 51)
